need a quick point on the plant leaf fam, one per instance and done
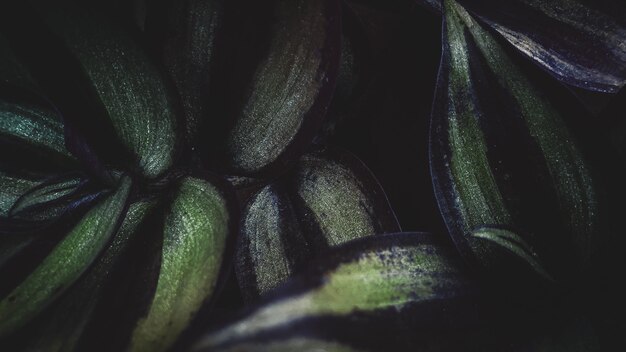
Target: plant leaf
(188, 52)
(388, 285)
(329, 199)
(513, 243)
(501, 154)
(61, 327)
(109, 92)
(66, 263)
(281, 88)
(194, 241)
(579, 42)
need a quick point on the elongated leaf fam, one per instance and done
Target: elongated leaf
(579, 42)
(61, 327)
(109, 92)
(279, 106)
(330, 198)
(405, 285)
(502, 155)
(65, 264)
(188, 53)
(52, 199)
(302, 344)
(33, 127)
(11, 189)
(195, 234)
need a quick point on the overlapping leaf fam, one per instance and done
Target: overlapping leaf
(66, 263)
(502, 155)
(115, 102)
(61, 327)
(271, 103)
(407, 285)
(579, 42)
(329, 199)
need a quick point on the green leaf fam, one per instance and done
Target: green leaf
(513, 243)
(502, 155)
(188, 51)
(330, 198)
(194, 239)
(11, 189)
(62, 326)
(122, 84)
(302, 344)
(386, 285)
(278, 106)
(66, 263)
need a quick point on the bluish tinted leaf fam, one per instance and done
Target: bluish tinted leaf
(502, 155)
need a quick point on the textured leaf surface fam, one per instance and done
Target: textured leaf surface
(502, 155)
(66, 263)
(126, 87)
(290, 88)
(390, 279)
(61, 327)
(188, 53)
(580, 42)
(194, 240)
(329, 199)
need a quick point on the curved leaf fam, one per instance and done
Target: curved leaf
(329, 199)
(302, 344)
(194, 241)
(407, 285)
(275, 110)
(502, 155)
(107, 89)
(579, 42)
(66, 263)
(189, 52)
(61, 327)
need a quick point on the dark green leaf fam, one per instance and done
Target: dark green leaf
(329, 199)
(60, 328)
(410, 286)
(502, 155)
(188, 53)
(277, 107)
(119, 97)
(66, 263)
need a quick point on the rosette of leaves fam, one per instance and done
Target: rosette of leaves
(115, 238)
(108, 242)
